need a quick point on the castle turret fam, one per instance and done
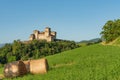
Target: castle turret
(32, 37)
(36, 33)
(53, 33)
(47, 31)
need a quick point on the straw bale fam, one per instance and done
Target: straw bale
(27, 64)
(38, 66)
(2, 76)
(14, 69)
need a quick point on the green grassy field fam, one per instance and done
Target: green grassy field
(95, 62)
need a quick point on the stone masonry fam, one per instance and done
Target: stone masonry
(47, 35)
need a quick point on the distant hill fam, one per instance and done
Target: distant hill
(88, 42)
(91, 41)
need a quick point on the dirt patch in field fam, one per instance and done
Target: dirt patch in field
(61, 65)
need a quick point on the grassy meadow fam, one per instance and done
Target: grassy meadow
(95, 62)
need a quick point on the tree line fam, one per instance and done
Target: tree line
(32, 50)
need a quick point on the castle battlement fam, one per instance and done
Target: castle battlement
(47, 35)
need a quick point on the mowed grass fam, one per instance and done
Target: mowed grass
(95, 62)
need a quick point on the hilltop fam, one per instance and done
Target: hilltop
(35, 49)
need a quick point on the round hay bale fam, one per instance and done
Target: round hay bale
(14, 69)
(38, 66)
(27, 64)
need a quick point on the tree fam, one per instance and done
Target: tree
(111, 30)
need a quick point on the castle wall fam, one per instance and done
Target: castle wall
(30, 38)
(41, 36)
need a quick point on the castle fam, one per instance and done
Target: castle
(47, 35)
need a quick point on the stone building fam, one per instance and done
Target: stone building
(47, 35)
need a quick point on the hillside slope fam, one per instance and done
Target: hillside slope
(115, 42)
(95, 62)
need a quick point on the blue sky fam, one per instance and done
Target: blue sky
(72, 19)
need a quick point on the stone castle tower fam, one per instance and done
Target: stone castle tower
(47, 35)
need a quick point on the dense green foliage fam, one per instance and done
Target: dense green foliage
(95, 62)
(34, 49)
(111, 30)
